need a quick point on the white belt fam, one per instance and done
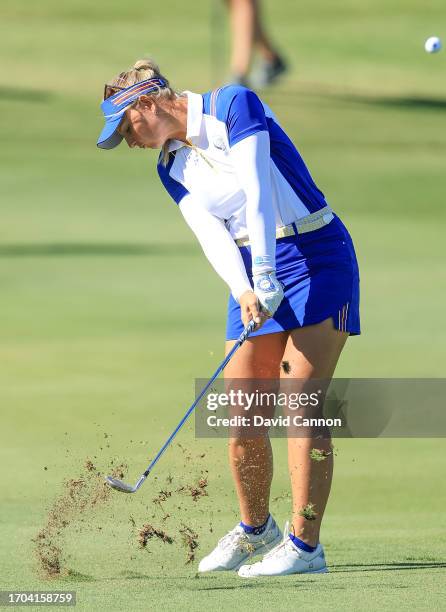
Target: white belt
(307, 224)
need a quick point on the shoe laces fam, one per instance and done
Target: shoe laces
(284, 546)
(236, 537)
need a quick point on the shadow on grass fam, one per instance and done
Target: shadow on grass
(409, 102)
(268, 583)
(203, 583)
(400, 102)
(207, 583)
(195, 585)
(24, 95)
(235, 587)
(74, 576)
(129, 575)
(387, 567)
(81, 249)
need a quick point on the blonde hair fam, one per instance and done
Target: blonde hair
(142, 70)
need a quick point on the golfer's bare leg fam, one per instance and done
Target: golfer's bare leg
(311, 352)
(262, 41)
(242, 24)
(251, 460)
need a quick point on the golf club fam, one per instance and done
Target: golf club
(126, 488)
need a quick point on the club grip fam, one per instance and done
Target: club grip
(246, 332)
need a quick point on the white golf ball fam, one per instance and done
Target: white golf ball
(432, 44)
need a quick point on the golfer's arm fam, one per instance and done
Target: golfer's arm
(217, 244)
(251, 158)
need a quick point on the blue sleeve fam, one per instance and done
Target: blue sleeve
(176, 190)
(242, 111)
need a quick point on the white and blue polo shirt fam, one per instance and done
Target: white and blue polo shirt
(216, 121)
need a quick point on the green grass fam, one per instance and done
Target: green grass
(104, 331)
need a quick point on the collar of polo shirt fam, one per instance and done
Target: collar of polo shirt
(194, 120)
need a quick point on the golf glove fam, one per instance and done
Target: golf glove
(268, 290)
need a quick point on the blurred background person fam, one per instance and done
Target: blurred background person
(248, 35)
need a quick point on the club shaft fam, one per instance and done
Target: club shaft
(246, 332)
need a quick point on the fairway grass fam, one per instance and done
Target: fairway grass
(103, 330)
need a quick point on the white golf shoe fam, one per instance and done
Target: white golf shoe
(237, 546)
(287, 559)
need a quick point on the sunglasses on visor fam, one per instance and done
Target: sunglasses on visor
(110, 90)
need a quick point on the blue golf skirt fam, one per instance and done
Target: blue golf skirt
(320, 275)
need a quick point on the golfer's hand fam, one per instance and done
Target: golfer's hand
(269, 291)
(251, 309)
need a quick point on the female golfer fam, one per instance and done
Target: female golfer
(268, 231)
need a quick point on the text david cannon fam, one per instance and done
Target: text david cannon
(259, 421)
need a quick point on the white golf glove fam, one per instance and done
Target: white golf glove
(268, 290)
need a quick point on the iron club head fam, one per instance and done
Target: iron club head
(118, 485)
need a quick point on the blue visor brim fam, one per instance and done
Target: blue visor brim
(110, 137)
(115, 106)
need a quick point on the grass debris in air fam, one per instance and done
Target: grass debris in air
(190, 541)
(148, 532)
(80, 495)
(308, 512)
(317, 454)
